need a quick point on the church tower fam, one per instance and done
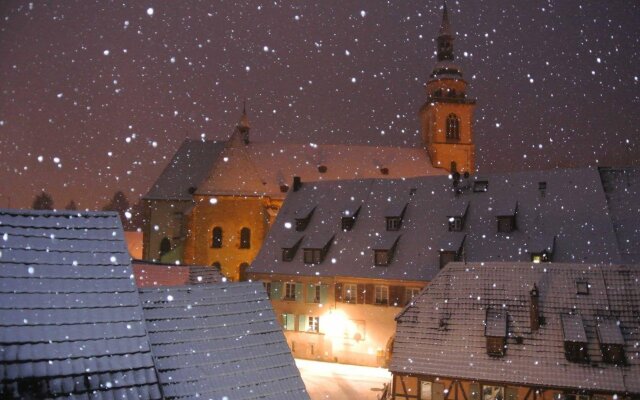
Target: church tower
(446, 118)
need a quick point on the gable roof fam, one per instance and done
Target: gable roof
(463, 293)
(218, 341)
(582, 228)
(186, 170)
(261, 169)
(70, 318)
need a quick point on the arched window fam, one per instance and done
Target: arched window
(245, 238)
(216, 238)
(165, 246)
(243, 271)
(453, 127)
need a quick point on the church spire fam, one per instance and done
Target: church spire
(445, 37)
(243, 124)
(445, 26)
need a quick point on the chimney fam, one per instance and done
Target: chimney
(534, 310)
(297, 183)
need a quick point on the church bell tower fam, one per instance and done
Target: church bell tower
(446, 118)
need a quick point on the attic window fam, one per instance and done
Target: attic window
(582, 287)
(303, 216)
(451, 248)
(611, 341)
(495, 332)
(575, 338)
(542, 248)
(316, 248)
(290, 249)
(394, 216)
(349, 218)
(457, 217)
(322, 169)
(506, 218)
(480, 186)
(384, 251)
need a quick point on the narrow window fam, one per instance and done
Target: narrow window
(381, 295)
(313, 324)
(289, 291)
(453, 127)
(410, 294)
(350, 293)
(245, 238)
(455, 224)
(243, 271)
(216, 237)
(394, 223)
(288, 322)
(165, 246)
(425, 390)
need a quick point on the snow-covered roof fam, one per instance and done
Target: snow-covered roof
(70, 318)
(265, 169)
(154, 274)
(573, 209)
(462, 294)
(186, 170)
(622, 189)
(219, 341)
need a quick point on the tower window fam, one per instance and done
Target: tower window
(216, 237)
(245, 238)
(453, 127)
(165, 246)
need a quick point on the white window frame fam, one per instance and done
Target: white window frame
(381, 296)
(350, 293)
(289, 291)
(313, 324)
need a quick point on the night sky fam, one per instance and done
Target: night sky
(96, 96)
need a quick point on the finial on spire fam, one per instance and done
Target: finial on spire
(244, 119)
(445, 26)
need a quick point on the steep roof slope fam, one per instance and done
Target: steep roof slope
(186, 170)
(442, 333)
(70, 318)
(261, 169)
(571, 208)
(622, 188)
(218, 341)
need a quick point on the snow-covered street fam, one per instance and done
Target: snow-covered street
(339, 381)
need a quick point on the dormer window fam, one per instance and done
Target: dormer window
(495, 332)
(575, 338)
(384, 249)
(394, 215)
(582, 287)
(480, 186)
(451, 248)
(506, 217)
(457, 217)
(316, 248)
(611, 341)
(303, 216)
(349, 216)
(290, 248)
(541, 249)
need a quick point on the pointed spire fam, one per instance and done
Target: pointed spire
(445, 26)
(243, 124)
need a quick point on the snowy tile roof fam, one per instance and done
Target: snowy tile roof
(70, 317)
(263, 169)
(572, 208)
(609, 331)
(462, 294)
(153, 274)
(186, 170)
(622, 189)
(219, 340)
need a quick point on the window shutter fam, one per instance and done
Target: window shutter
(276, 291)
(361, 294)
(396, 296)
(311, 292)
(437, 391)
(511, 393)
(291, 323)
(299, 292)
(370, 293)
(474, 388)
(302, 323)
(338, 292)
(324, 294)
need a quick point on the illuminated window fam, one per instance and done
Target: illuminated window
(425, 390)
(350, 293)
(313, 324)
(382, 295)
(245, 238)
(216, 237)
(289, 291)
(492, 392)
(453, 127)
